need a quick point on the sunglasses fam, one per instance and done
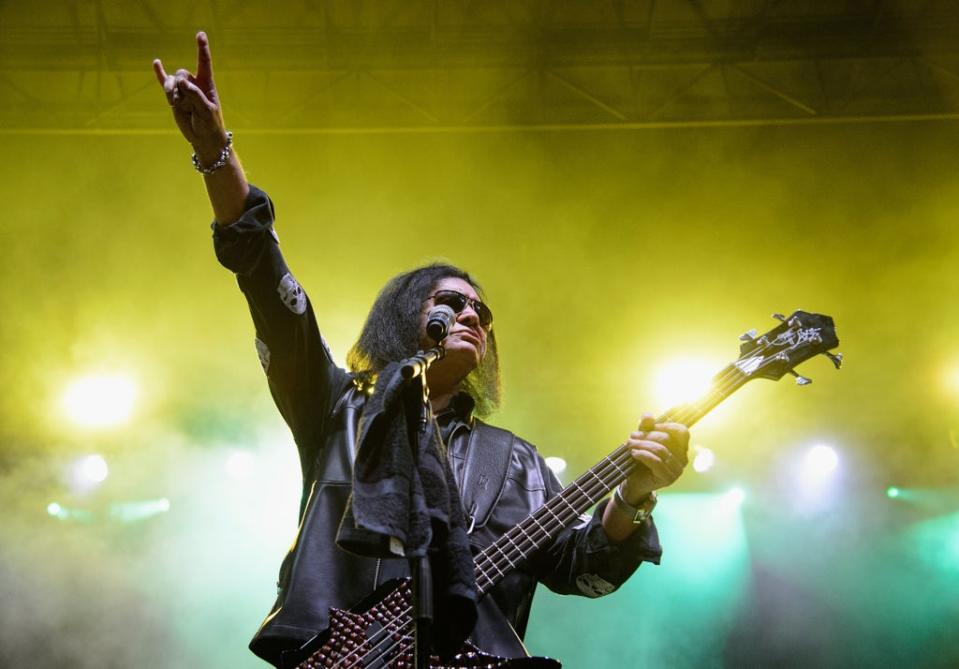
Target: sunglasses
(457, 301)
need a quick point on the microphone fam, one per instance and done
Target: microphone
(439, 320)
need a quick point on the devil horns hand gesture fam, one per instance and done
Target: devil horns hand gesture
(198, 115)
(195, 104)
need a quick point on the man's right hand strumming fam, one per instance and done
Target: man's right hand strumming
(197, 112)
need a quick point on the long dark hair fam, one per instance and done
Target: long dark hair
(392, 332)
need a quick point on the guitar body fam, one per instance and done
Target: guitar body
(377, 633)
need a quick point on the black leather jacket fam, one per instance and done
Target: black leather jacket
(321, 406)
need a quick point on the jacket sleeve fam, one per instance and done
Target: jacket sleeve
(300, 371)
(582, 561)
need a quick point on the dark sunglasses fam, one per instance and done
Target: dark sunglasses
(457, 301)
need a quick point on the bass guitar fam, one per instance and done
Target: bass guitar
(377, 633)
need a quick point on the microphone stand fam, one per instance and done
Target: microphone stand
(418, 410)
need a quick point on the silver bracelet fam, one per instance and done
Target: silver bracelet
(220, 162)
(639, 514)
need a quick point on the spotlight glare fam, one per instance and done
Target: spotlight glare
(557, 464)
(239, 465)
(132, 512)
(735, 496)
(704, 459)
(93, 469)
(821, 460)
(54, 509)
(86, 473)
(892, 492)
(100, 400)
(683, 380)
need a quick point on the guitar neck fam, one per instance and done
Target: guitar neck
(544, 524)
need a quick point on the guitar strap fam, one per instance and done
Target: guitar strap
(488, 455)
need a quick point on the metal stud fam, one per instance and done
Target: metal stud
(836, 358)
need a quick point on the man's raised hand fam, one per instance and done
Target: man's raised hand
(194, 102)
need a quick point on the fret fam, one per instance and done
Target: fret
(546, 510)
(495, 545)
(617, 467)
(536, 523)
(520, 550)
(562, 498)
(525, 534)
(584, 493)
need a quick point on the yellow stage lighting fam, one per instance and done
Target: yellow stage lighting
(100, 400)
(951, 378)
(683, 380)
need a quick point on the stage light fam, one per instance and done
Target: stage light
(951, 378)
(61, 512)
(892, 492)
(734, 497)
(683, 380)
(94, 468)
(129, 512)
(87, 473)
(100, 400)
(819, 464)
(704, 459)
(239, 465)
(558, 465)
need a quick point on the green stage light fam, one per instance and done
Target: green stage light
(131, 512)
(892, 492)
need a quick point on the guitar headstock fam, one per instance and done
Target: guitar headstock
(797, 338)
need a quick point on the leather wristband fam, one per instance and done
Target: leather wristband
(639, 514)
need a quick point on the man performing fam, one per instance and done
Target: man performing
(332, 413)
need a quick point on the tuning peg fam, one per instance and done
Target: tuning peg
(749, 335)
(779, 317)
(836, 358)
(800, 380)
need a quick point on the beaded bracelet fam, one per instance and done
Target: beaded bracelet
(220, 162)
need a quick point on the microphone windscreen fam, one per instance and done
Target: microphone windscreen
(439, 321)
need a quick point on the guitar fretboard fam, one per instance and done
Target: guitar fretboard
(543, 525)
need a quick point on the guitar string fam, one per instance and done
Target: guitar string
(592, 485)
(617, 463)
(726, 381)
(621, 463)
(614, 464)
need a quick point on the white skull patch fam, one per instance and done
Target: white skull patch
(592, 585)
(263, 353)
(292, 295)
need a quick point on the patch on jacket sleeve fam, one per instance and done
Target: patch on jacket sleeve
(263, 353)
(592, 585)
(292, 295)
